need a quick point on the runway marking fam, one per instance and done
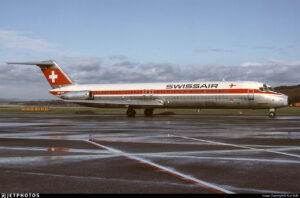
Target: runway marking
(178, 143)
(71, 150)
(238, 146)
(216, 151)
(54, 149)
(95, 178)
(46, 157)
(224, 158)
(175, 173)
(151, 142)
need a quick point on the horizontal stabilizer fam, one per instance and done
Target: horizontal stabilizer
(40, 63)
(52, 72)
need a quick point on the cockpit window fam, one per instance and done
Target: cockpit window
(266, 88)
(271, 89)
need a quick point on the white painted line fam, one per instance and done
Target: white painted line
(216, 151)
(149, 142)
(238, 146)
(163, 168)
(224, 158)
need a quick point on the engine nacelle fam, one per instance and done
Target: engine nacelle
(78, 95)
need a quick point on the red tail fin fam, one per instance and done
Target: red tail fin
(53, 73)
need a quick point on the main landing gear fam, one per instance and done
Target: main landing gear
(148, 112)
(272, 113)
(131, 112)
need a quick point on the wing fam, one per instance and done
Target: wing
(118, 103)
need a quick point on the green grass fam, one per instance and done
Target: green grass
(86, 110)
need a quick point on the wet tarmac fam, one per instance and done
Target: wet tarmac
(48, 153)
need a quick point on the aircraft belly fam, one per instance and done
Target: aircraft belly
(207, 101)
(189, 101)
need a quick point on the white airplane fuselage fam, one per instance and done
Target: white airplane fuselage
(233, 94)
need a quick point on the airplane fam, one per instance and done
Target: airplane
(211, 95)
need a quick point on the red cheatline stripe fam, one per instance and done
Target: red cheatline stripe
(177, 174)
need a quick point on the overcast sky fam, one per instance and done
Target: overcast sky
(116, 41)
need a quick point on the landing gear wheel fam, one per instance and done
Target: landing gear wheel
(130, 112)
(272, 114)
(148, 112)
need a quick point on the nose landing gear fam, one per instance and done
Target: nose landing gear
(272, 113)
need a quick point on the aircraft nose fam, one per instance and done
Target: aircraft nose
(285, 100)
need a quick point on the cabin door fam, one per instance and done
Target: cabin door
(251, 94)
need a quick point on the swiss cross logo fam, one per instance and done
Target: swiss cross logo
(53, 76)
(231, 85)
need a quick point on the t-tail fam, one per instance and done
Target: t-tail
(53, 73)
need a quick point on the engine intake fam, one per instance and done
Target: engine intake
(78, 95)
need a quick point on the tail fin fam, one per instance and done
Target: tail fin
(53, 73)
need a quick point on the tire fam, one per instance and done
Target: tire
(272, 114)
(131, 113)
(148, 112)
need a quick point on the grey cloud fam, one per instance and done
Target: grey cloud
(118, 57)
(128, 64)
(81, 66)
(130, 72)
(16, 74)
